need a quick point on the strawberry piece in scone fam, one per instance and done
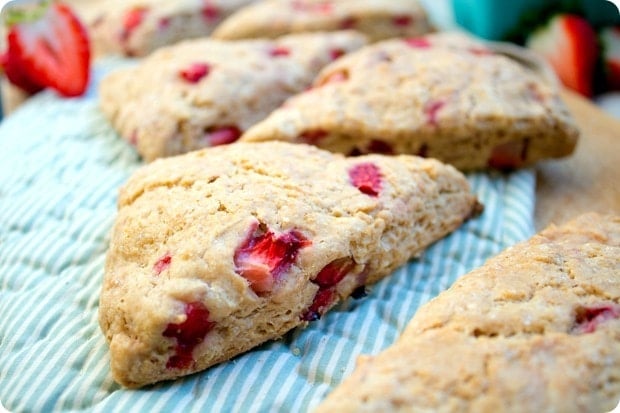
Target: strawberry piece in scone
(443, 96)
(138, 27)
(217, 251)
(47, 46)
(378, 19)
(211, 91)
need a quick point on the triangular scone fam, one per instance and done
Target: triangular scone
(378, 19)
(536, 329)
(206, 92)
(219, 250)
(138, 27)
(443, 96)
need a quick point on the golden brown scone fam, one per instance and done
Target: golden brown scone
(378, 19)
(217, 251)
(536, 329)
(444, 96)
(207, 92)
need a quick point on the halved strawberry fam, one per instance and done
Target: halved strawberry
(569, 44)
(610, 38)
(47, 47)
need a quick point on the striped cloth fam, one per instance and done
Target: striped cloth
(62, 165)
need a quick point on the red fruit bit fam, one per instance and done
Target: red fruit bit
(367, 178)
(162, 264)
(348, 23)
(189, 334)
(587, 319)
(418, 42)
(279, 51)
(323, 7)
(509, 155)
(210, 12)
(163, 23)
(431, 109)
(379, 146)
(313, 137)
(322, 300)
(195, 72)
(336, 53)
(334, 272)
(222, 135)
(336, 77)
(133, 18)
(263, 257)
(402, 20)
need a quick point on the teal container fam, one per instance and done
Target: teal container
(495, 19)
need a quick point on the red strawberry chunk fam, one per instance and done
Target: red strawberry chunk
(509, 155)
(189, 334)
(210, 12)
(431, 110)
(402, 20)
(336, 53)
(334, 272)
(163, 23)
(348, 23)
(367, 178)
(279, 51)
(313, 136)
(319, 7)
(222, 135)
(132, 20)
(51, 51)
(322, 300)
(263, 257)
(162, 264)
(587, 319)
(195, 72)
(418, 42)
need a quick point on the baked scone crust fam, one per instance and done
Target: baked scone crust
(445, 96)
(535, 329)
(184, 244)
(205, 92)
(378, 19)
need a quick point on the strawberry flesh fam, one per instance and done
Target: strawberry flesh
(189, 334)
(263, 257)
(431, 110)
(195, 72)
(418, 42)
(162, 264)
(610, 38)
(570, 45)
(367, 178)
(132, 20)
(327, 279)
(313, 136)
(402, 20)
(51, 51)
(222, 135)
(210, 12)
(322, 300)
(509, 155)
(279, 51)
(587, 319)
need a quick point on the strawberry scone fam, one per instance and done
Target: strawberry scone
(219, 250)
(206, 92)
(443, 95)
(138, 27)
(536, 329)
(378, 19)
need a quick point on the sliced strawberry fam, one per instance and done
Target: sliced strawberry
(334, 272)
(222, 135)
(132, 20)
(162, 264)
(570, 45)
(189, 334)
(49, 47)
(610, 38)
(321, 302)
(195, 72)
(367, 178)
(263, 256)
(587, 319)
(509, 155)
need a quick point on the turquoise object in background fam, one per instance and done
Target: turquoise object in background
(497, 19)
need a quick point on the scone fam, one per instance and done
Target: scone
(206, 92)
(444, 96)
(378, 19)
(219, 250)
(138, 27)
(536, 329)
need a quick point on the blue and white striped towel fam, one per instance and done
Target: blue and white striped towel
(62, 165)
